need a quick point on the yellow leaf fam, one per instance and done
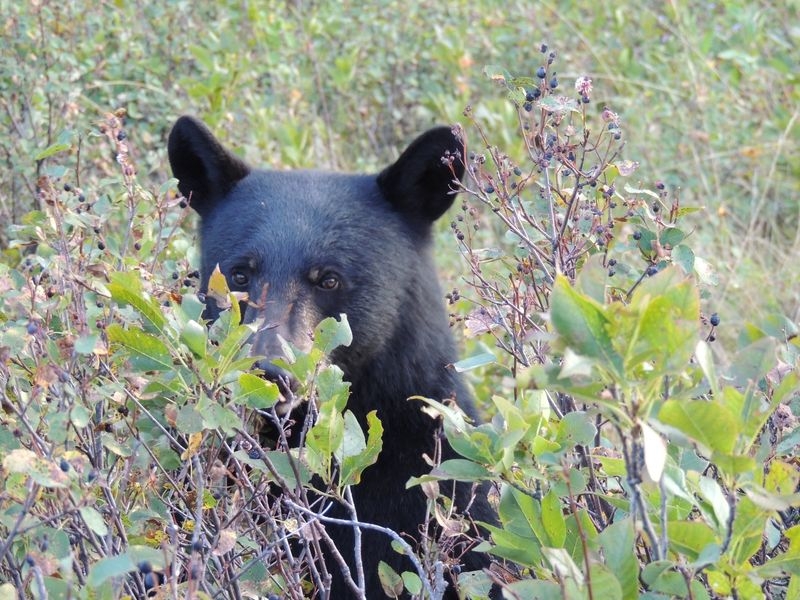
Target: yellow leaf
(195, 440)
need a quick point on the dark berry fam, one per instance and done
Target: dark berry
(656, 208)
(64, 465)
(611, 272)
(175, 275)
(121, 136)
(517, 171)
(137, 246)
(714, 320)
(651, 270)
(489, 189)
(637, 235)
(612, 262)
(32, 328)
(554, 83)
(145, 567)
(101, 246)
(536, 93)
(528, 107)
(183, 203)
(543, 48)
(660, 185)
(29, 560)
(529, 97)
(540, 73)
(188, 282)
(67, 187)
(585, 99)
(255, 453)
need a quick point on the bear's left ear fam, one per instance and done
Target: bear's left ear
(205, 170)
(420, 183)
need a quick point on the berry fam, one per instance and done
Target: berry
(529, 97)
(540, 73)
(611, 272)
(651, 270)
(660, 185)
(183, 203)
(32, 328)
(137, 246)
(637, 235)
(554, 83)
(656, 208)
(101, 246)
(255, 453)
(121, 136)
(67, 187)
(145, 567)
(489, 189)
(64, 465)
(517, 171)
(612, 262)
(714, 320)
(585, 99)
(528, 107)
(543, 48)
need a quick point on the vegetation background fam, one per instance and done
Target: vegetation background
(708, 94)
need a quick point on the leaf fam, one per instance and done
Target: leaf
(353, 464)
(126, 288)
(391, 582)
(553, 519)
(195, 441)
(51, 150)
(41, 470)
(710, 424)
(655, 452)
(218, 289)
(617, 543)
(256, 392)
(94, 520)
(147, 353)
(582, 324)
(194, 336)
(332, 333)
(690, 537)
(108, 568)
(473, 362)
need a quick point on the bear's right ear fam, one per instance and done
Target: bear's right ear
(205, 170)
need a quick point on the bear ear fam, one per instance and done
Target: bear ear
(205, 170)
(420, 183)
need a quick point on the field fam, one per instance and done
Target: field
(622, 278)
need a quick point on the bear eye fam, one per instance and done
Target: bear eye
(329, 282)
(239, 278)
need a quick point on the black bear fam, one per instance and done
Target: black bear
(322, 244)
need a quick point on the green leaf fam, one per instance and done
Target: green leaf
(582, 324)
(553, 519)
(473, 362)
(108, 568)
(126, 288)
(256, 392)
(147, 353)
(391, 582)
(51, 150)
(193, 334)
(617, 542)
(332, 333)
(94, 520)
(412, 582)
(690, 538)
(359, 455)
(710, 424)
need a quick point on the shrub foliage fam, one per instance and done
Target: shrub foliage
(625, 461)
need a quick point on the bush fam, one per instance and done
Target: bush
(626, 461)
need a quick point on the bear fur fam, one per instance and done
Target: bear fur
(317, 244)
